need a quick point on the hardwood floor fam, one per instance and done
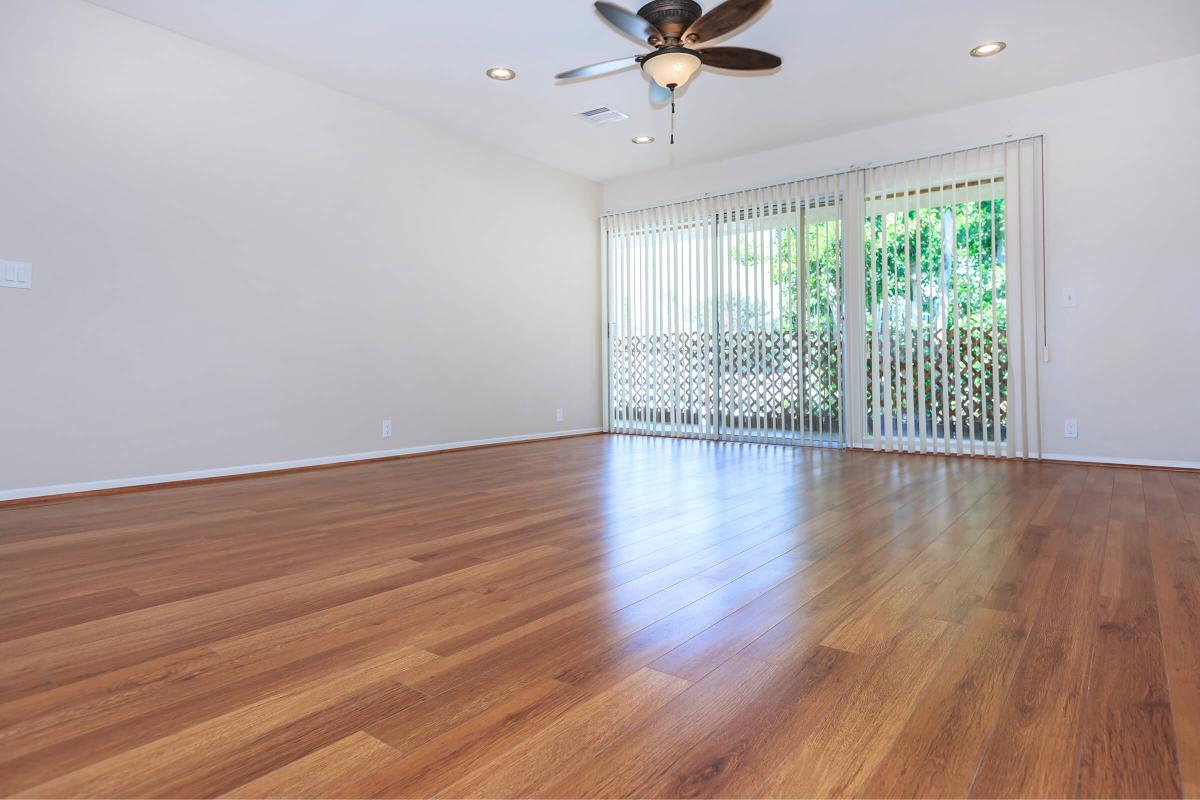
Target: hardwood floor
(610, 617)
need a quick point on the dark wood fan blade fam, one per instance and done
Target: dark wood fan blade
(629, 23)
(603, 68)
(739, 58)
(729, 16)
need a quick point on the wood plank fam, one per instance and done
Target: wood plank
(642, 758)
(888, 557)
(67, 727)
(710, 648)
(1175, 559)
(89, 648)
(29, 620)
(427, 769)
(317, 774)
(597, 671)
(937, 752)
(1128, 733)
(838, 757)
(735, 759)
(973, 576)
(532, 766)
(1034, 750)
(870, 628)
(225, 752)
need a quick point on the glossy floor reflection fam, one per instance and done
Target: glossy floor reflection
(610, 616)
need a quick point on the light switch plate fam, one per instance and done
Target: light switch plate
(1070, 298)
(16, 274)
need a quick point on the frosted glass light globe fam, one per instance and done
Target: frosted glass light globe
(671, 67)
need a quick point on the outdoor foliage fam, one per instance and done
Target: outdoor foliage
(940, 263)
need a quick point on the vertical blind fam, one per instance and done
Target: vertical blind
(724, 316)
(947, 337)
(894, 308)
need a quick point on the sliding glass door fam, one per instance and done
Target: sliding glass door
(938, 300)
(936, 325)
(725, 317)
(780, 320)
(663, 326)
(893, 307)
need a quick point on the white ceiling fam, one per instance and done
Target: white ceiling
(847, 64)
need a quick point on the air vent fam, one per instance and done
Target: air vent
(601, 115)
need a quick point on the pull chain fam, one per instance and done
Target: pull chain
(672, 88)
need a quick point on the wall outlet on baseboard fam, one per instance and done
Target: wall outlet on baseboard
(387, 429)
(558, 415)
(1071, 429)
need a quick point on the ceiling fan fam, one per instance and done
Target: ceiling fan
(674, 28)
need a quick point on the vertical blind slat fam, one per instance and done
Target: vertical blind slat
(923, 432)
(798, 199)
(907, 430)
(994, 257)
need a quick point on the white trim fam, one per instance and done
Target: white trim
(220, 472)
(1122, 461)
(605, 333)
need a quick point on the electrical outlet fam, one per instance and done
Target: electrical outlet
(558, 415)
(387, 429)
(16, 274)
(1071, 429)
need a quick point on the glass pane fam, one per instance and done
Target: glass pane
(935, 285)
(781, 314)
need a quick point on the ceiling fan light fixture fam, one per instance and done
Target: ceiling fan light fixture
(502, 73)
(987, 49)
(671, 67)
(643, 140)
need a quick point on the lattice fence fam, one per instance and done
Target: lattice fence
(968, 407)
(673, 379)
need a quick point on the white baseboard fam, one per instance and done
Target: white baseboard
(1121, 461)
(939, 444)
(221, 472)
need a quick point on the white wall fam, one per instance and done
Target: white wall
(234, 267)
(1122, 162)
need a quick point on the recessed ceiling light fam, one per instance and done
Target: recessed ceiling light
(988, 49)
(643, 139)
(501, 73)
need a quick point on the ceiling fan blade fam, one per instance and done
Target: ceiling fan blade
(739, 58)
(729, 16)
(603, 68)
(658, 95)
(629, 23)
